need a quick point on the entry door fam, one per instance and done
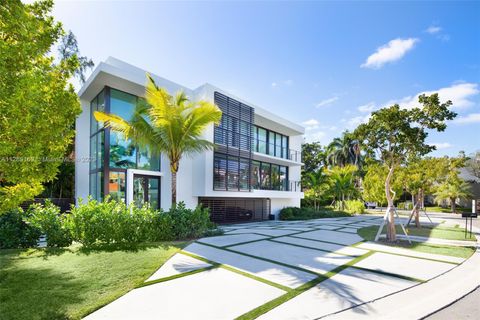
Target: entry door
(146, 189)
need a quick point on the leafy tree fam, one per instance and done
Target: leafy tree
(396, 134)
(419, 178)
(373, 189)
(165, 123)
(313, 157)
(343, 151)
(69, 48)
(38, 106)
(342, 184)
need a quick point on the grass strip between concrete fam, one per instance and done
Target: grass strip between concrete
(252, 314)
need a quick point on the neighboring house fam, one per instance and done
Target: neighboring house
(253, 172)
(474, 183)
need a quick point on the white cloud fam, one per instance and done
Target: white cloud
(470, 118)
(316, 136)
(442, 145)
(369, 107)
(433, 29)
(274, 84)
(459, 93)
(354, 122)
(311, 124)
(394, 50)
(326, 102)
(288, 82)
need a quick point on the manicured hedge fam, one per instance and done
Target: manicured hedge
(295, 213)
(102, 223)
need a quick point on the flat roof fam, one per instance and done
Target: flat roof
(124, 76)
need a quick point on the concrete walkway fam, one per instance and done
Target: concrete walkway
(297, 270)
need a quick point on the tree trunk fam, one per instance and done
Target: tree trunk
(391, 234)
(417, 210)
(174, 188)
(453, 204)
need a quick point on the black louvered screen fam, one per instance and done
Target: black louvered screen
(233, 137)
(231, 210)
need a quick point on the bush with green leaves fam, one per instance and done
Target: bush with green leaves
(114, 222)
(51, 222)
(15, 232)
(295, 213)
(355, 206)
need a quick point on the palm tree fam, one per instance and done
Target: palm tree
(317, 182)
(342, 183)
(169, 124)
(344, 150)
(452, 190)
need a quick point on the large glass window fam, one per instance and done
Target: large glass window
(270, 142)
(265, 176)
(275, 177)
(232, 174)
(256, 182)
(122, 103)
(262, 140)
(122, 152)
(220, 169)
(97, 145)
(244, 174)
(117, 186)
(96, 185)
(283, 178)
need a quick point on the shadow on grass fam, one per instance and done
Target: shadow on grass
(37, 293)
(129, 247)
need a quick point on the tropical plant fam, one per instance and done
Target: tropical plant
(373, 189)
(452, 190)
(313, 157)
(38, 105)
(342, 184)
(165, 123)
(317, 183)
(343, 151)
(396, 134)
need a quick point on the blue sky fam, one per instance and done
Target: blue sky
(326, 65)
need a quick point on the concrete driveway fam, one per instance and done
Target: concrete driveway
(286, 270)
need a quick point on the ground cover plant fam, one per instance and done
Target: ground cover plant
(449, 233)
(294, 213)
(69, 283)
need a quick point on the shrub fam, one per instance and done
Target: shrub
(295, 213)
(354, 206)
(50, 221)
(15, 232)
(113, 222)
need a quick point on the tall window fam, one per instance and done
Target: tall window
(270, 142)
(231, 173)
(120, 154)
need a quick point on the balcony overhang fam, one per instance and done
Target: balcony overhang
(275, 160)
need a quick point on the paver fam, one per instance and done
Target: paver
(267, 232)
(346, 289)
(309, 259)
(349, 230)
(230, 239)
(332, 236)
(411, 267)
(381, 247)
(177, 264)
(336, 248)
(191, 298)
(283, 275)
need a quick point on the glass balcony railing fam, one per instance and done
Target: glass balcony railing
(244, 142)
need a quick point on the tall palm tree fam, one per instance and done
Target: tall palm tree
(344, 150)
(452, 190)
(166, 124)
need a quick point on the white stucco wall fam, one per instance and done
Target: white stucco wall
(82, 152)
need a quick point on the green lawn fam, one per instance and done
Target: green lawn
(447, 210)
(368, 233)
(71, 283)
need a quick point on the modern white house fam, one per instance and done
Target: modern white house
(251, 175)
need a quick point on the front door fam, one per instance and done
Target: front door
(146, 189)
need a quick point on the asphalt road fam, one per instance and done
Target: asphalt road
(466, 308)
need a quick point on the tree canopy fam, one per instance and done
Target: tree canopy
(38, 106)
